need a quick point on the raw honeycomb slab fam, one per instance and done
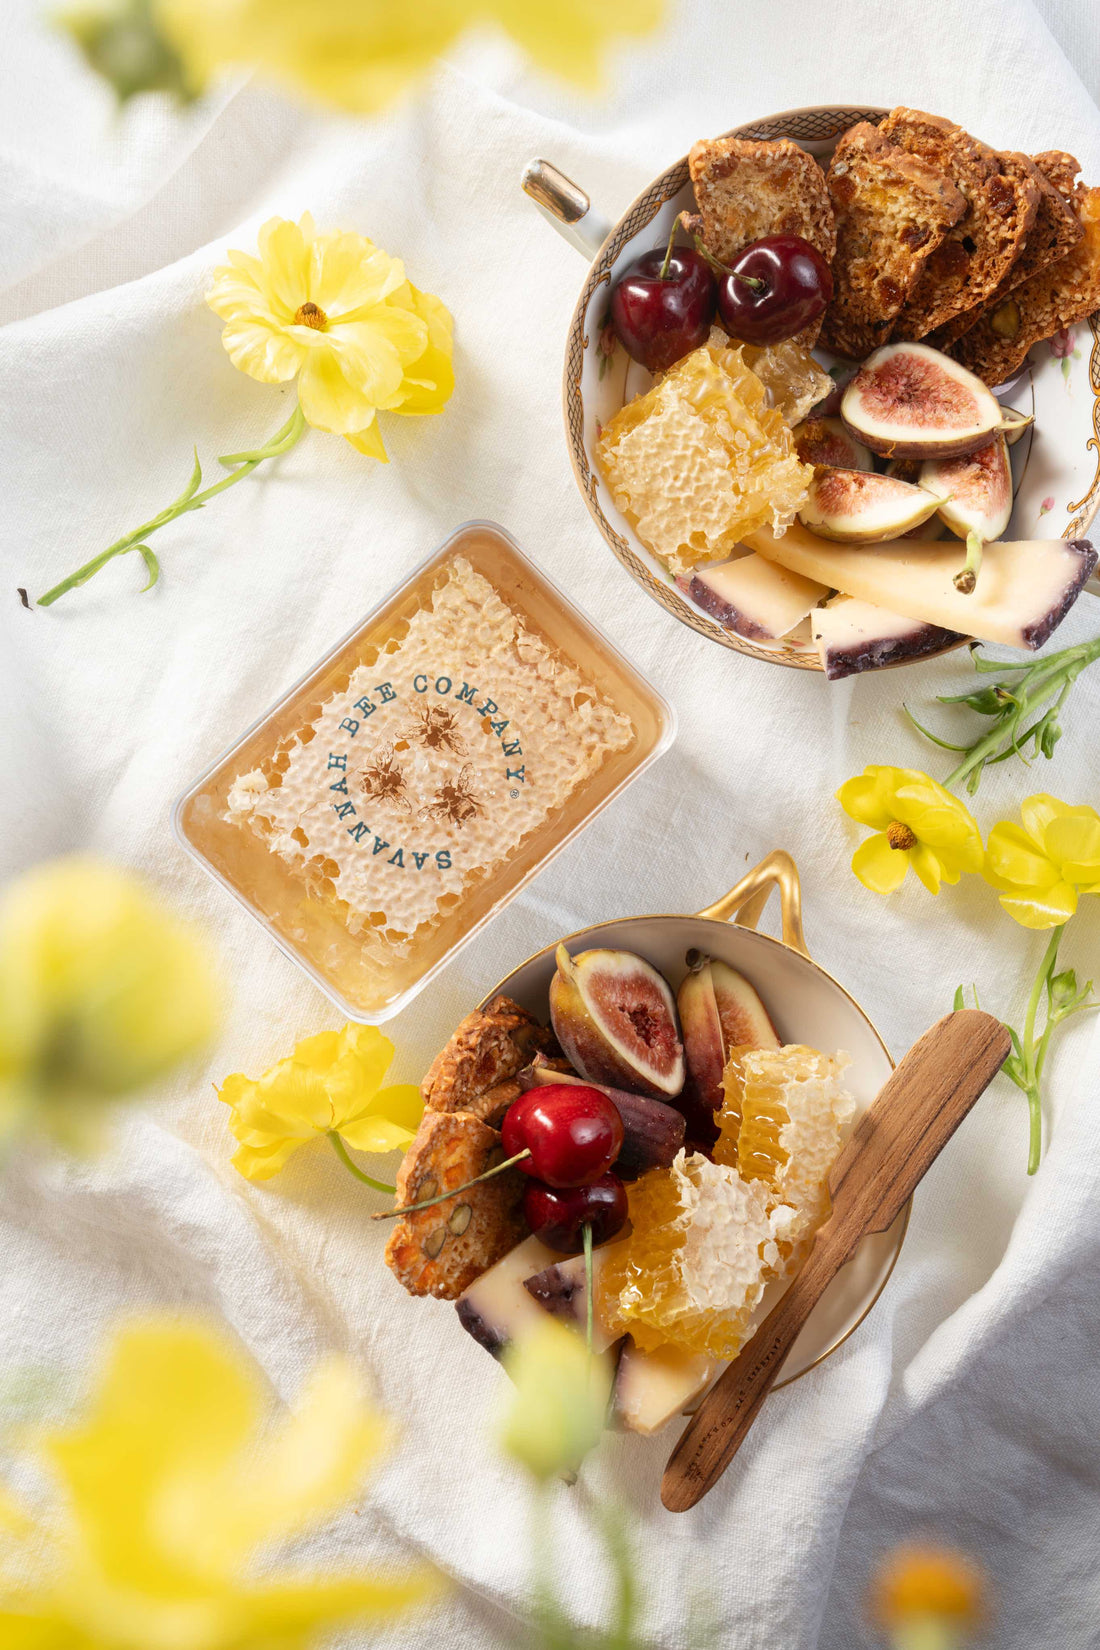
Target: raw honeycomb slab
(444, 752)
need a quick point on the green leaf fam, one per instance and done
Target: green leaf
(960, 1000)
(151, 563)
(192, 487)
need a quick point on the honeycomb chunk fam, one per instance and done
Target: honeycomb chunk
(703, 1244)
(782, 1123)
(701, 459)
(790, 375)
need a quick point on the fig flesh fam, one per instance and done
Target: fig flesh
(615, 1018)
(909, 401)
(977, 490)
(826, 441)
(860, 507)
(719, 1011)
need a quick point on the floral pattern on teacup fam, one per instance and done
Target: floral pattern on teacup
(605, 346)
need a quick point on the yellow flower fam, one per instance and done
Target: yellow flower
(331, 1084)
(1040, 869)
(172, 1484)
(558, 1410)
(916, 1585)
(361, 54)
(916, 823)
(102, 990)
(335, 312)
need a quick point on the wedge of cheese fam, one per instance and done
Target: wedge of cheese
(753, 597)
(1024, 590)
(852, 636)
(653, 1387)
(496, 1307)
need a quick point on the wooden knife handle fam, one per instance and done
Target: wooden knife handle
(717, 1431)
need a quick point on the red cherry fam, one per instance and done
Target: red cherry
(559, 1215)
(775, 287)
(574, 1133)
(663, 306)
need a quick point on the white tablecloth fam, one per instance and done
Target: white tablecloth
(966, 1405)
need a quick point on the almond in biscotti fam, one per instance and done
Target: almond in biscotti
(441, 1250)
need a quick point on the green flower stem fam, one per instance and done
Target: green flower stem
(189, 499)
(1034, 1057)
(342, 1153)
(588, 1283)
(430, 1202)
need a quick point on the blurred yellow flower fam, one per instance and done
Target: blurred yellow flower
(1040, 868)
(558, 1410)
(331, 1085)
(361, 54)
(917, 1586)
(172, 1485)
(102, 990)
(916, 822)
(336, 312)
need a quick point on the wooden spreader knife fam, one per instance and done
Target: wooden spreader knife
(893, 1145)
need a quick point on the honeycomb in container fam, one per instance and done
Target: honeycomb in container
(701, 459)
(703, 1244)
(782, 1123)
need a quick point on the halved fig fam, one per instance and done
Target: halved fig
(976, 490)
(860, 507)
(1014, 423)
(615, 1018)
(826, 441)
(719, 1010)
(909, 401)
(909, 469)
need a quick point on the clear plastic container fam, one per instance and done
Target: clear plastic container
(423, 772)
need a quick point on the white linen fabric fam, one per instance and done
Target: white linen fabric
(965, 1406)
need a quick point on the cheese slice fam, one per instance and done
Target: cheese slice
(753, 597)
(496, 1307)
(653, 1387)
(852, 636)
(1024, 590)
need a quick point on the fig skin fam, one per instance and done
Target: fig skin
(589, 1044)
(1015, 424)
(894, 378)
(719, 1011)
(980, 489)
(852, 507)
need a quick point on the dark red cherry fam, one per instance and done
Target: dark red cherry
(574, 1133)
(661, 317)
(775, 287)
(559, 1215)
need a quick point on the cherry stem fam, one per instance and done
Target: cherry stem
(754, 282)
(430, 1202)
(965, 580)
(342, 1153)
(663, 275)
(588, 1283)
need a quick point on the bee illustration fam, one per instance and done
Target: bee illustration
(383, 780)
(437, 727)
(455, 801)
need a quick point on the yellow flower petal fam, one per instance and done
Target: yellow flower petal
(929, 869)
(369, 441)
(286, 257)
(331, 401)
(263, 352)
(1042, 909)
(1012, 860)
(868, 797)
(350, 276)
(878, 866)
(1073, 842)
(558, 1409)
(263, 1162)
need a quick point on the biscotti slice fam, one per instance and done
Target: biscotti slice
(746, 189)
(892, 210)
(1059, 296)
(1055, 233)
(441, 1250)
(1002, 199)
(474, 1072)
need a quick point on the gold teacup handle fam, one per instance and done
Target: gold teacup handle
(744, 904)
(566, 205)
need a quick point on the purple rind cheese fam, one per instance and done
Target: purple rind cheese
(876, 652)
(484, 1333)
(726, 614)
(1034, 635)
